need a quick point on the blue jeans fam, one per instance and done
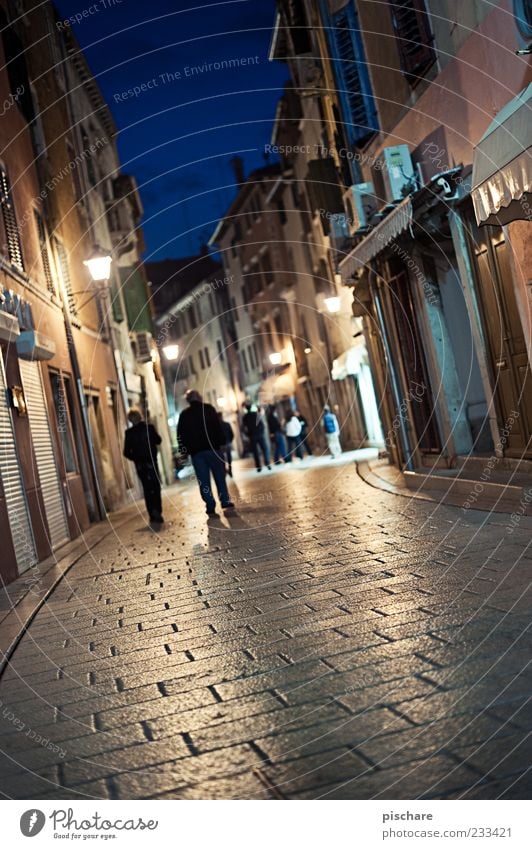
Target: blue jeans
(260, 442)
(204, 463)
(279, 447)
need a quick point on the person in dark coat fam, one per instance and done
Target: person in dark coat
(253, 427)
(226, 447)
(201, 436)
(304, 432)
(276, 435)
(140, 445)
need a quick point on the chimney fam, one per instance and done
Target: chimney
(237, 164)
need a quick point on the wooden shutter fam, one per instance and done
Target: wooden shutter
(45, 253)
(411, 24)
(14, 247)
(65, 275)
(354, 84)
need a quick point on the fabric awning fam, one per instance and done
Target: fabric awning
(385, 232)
(502, 164)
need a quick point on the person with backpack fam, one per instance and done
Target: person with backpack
(226, 448)
(332, 432)
(293, 430)
(253, 427)
(141, 442)
(200, 435)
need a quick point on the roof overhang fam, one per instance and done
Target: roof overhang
(395, 223)
(502, 165)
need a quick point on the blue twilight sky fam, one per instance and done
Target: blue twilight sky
(178, 134)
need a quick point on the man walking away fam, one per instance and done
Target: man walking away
(293, 429)
(200, 434)
(277, 436)
(226, 447)
(140, 445)
(332, 432)
(253, 426)
(304, 432)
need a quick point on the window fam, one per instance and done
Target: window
(192, 367)
(201, 360)
(297, 26)
(45, 253)
(411, 25)
(17, 70)
(192, 317)
(65, 276)
(220, 349)
(89, 162)
(349, 61)
(78, 191)
(251, 356)
(255, 354)
(14, 247)
(207, 358)
(63, 406)
(234, 309)
(244, 360)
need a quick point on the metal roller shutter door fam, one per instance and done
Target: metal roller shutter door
(43, 446)
(17, 508)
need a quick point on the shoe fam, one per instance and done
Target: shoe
(269, 468)
(157, 519)
(230, 472)
(228, 506)
(259, 470)
(212, 512)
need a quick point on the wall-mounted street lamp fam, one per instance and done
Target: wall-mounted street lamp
(99, 264)
(308, 350)
(332, 303)
(222, 403)
(171, 353)
(275, 359)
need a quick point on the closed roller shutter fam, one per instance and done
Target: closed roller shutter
(43, 446)
(17, 508)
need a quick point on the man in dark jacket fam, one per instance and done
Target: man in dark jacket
(140, 445)
(253, 427)
(200, 434)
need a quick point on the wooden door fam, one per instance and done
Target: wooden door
(506, 341)
(417, 393)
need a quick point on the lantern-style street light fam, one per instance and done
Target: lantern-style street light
(171, 352)
(275, 358)
(99, 264)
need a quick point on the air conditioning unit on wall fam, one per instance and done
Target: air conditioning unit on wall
(398, 171)
(360, 204)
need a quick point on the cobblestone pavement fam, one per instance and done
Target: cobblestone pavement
(330, 641)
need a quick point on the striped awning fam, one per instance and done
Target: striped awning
(385, 232)
(502, 164)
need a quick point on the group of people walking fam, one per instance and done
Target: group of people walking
(207, 439)
(267, 431)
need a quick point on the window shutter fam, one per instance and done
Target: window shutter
(14, 247)
(45, 253)
(323, 187)
(65, 276)
(350, 66)
(413, 33)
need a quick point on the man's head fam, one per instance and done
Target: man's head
(326, 409)
(134, 415)
(193, 397)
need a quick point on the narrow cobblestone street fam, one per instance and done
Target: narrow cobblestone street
(329, 640)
